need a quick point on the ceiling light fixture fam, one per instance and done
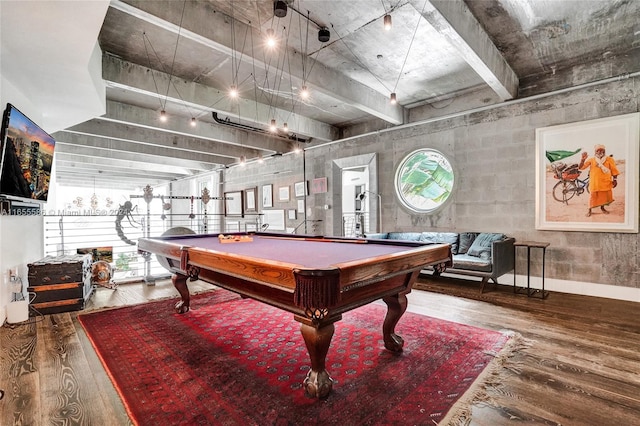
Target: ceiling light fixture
(243, 160)
(193, 122)
(163, 116)
(273, 127)
(280, 8)
(233, 91)
(324, 35)
(285, 127)
(271, 38)
(304, 92)
(387, 22)
(393, 99)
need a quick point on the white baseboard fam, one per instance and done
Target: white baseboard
(607, 291)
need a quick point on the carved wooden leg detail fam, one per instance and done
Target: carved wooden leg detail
(396, 306)
(180, 283)
(318, 383)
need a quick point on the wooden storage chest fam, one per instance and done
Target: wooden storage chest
(60, 283)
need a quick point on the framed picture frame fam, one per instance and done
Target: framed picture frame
(292, 214)
(573, 199)
(233, 203)
(267, 196)
(283, 193)
(319, 185)
(301, 206)
(275, 220)
(232, 226)
(300, 189)
(250, 200)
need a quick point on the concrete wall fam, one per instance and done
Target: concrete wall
(493, 154)
(279, 172)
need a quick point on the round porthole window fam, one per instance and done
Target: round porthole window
(424, 180)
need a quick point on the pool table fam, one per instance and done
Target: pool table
(315, 278)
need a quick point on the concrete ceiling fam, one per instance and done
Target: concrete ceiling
(182, 57)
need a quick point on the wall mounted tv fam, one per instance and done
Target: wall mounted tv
(27, 158)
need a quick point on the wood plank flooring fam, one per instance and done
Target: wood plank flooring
(581, 365)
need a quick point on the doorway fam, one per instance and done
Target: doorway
(355, 202)
(355, 176)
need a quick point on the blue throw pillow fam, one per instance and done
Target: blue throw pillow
(466, 239)
(481, 246)
(441, 237)
(405, 236)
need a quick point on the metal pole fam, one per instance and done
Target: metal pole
(304, 180)
(379, 212)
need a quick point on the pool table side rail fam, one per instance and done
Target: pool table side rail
(279, 273)
(309, 287)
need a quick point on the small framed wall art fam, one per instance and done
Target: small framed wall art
(233, 203)
(283, 193)
(267, 196)
(300, 189)
(250, 200)
(319, 185)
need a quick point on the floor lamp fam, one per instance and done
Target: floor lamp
(362, 196)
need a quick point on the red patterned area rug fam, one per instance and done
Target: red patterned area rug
(232, 361)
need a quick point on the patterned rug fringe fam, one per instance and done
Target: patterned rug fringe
(460, 413)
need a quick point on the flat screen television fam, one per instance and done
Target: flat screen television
(27, 158)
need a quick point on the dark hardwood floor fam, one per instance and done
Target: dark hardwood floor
(580, 366)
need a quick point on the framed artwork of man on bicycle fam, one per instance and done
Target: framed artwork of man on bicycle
(587, 175)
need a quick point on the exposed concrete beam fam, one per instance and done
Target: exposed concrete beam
(124, 75)
(98, 180)
(231, 141)
(99, 167)
(137, 139)
(323, 79)
(133, 148)
(65, 181)
(121, 175)
(109, 154)
(71, 179)
(454, 20)
(108, 169)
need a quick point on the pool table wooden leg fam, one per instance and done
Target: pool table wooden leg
(396, 306)
(318, 383)
(180, 283)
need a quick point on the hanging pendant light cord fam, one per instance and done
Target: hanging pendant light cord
(155, 83)
(175, 51)
(409, 49)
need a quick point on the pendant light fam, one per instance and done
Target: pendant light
(280, 9)
(387, 22)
